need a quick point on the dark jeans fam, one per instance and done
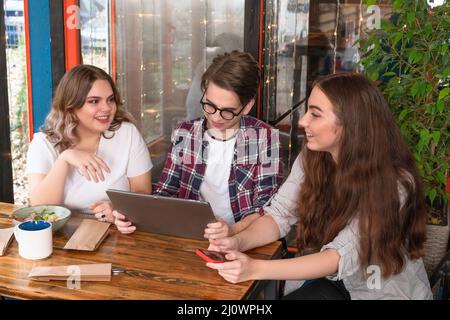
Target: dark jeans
(320, 289)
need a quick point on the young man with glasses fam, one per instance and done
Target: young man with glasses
(226, 157)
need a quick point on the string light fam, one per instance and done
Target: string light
(358, 37)
(141, 51)
(338, 3)
(148, 15)
(270, 58)
(91, 35)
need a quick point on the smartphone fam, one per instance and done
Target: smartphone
(211, 256)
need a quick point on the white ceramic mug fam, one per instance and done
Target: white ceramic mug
(35, 239)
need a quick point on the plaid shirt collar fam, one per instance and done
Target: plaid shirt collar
(250, 183)
(250, 143)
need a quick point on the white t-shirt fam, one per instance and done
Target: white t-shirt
(214, 188)
(126, 155)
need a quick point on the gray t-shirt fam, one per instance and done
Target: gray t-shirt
(411, 283)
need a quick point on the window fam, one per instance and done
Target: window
(17, 95)
(95, 39)
(157, 50)
(303, 41)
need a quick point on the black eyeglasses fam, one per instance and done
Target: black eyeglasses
(210, 108)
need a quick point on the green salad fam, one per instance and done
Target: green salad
(45, 215)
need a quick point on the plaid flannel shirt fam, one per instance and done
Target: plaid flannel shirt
(256, 170)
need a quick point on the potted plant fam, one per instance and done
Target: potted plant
(409, 56)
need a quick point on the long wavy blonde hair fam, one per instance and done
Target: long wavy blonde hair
(70, 95)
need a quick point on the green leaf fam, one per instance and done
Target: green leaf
(373, 75)
(414, 56)
(422, 89)
(441, 177)
(370, 2)
(415, 89)
(432, 195)
(440, 105)
(429, 89)
(444, 48)
(410, 17)
(443, 93)
(427, 168)
(397, 5)
(430, 108)
(446, 72)
(426, 58)
(402, 114)
(389, 74)
(385, 24)
(424, 136)
(420, 146)
(396, 37)
(436, 136)
(427, 30)
(409, 35)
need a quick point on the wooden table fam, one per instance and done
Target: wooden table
(156, 267)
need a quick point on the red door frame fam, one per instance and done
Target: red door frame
(71, 34)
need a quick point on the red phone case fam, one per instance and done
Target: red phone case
(211, 256)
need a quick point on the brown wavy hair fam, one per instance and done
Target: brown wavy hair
(374, 165)
(70, 95)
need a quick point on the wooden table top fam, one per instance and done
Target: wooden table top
(156, 267)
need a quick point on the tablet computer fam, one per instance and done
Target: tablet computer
(163, 215)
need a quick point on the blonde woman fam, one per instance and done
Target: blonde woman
(87, 145)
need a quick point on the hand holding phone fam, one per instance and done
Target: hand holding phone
(211, 256)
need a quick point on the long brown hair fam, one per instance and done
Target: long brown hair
(70, 95)
(374, 165)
